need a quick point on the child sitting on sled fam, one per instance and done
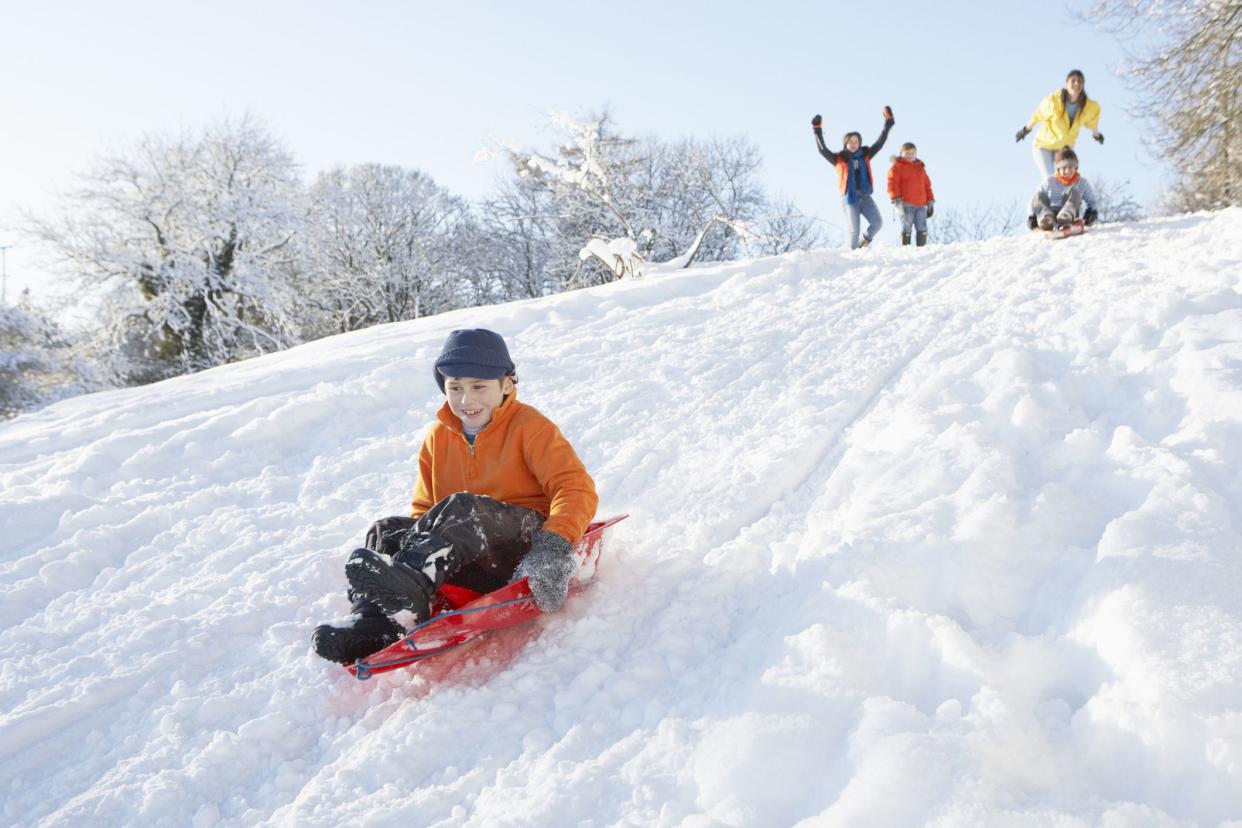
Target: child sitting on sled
(911, 192)
(1064, 198)
(500, 495)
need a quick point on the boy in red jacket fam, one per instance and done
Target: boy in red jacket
(911, 192)
(500, 495)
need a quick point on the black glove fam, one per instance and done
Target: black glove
(931, 208)
(1032, 222)
(817, 122)
(1021, 134)
(1099, 136)
(548, 566)
(888, 116)
(1090, 216)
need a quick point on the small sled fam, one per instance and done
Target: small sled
(1076, 228)
(463, 614)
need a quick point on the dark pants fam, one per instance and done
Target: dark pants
(487, 539)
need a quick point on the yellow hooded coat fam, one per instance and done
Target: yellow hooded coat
(1057, 131)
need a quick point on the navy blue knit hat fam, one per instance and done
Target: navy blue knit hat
(473, 352)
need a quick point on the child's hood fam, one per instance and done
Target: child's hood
(897, 159)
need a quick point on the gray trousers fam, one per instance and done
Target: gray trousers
(865, 207)
(1045, 161)
(1041, 206)
(911, 215)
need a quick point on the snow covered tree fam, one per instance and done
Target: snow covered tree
(694, 188)
(784, 228)
(603, 205)
(977, 222)
(1114, 201)
(1186, 61)
(517, 235)
(23, 358)
(36, 363)
(584, 183)
(702, 200)
(384, 243)
(184, 244)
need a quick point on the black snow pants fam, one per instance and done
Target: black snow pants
(488, 539)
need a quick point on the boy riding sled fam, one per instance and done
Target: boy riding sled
(500, 495)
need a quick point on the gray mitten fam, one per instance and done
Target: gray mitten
(548, 566)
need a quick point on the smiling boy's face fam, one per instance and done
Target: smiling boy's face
(474, 400)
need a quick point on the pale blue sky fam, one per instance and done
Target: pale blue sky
(427, 85)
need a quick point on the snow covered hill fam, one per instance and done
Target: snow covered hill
(942, 536)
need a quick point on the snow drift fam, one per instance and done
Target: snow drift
(939, 536)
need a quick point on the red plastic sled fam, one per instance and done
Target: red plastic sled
(1076, 228)
(463, 614)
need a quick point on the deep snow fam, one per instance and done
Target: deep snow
(940, 536)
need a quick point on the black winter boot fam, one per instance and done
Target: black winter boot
(905, 239)
(920, 238)
(393, 585)
(355, 637)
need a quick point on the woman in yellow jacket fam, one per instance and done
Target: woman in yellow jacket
(1060, 116)
(500, 495)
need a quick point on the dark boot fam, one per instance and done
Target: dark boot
(905, 239)
(920, 238)
(355, 637)
(391, 583)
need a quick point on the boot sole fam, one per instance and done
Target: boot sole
(329, 643)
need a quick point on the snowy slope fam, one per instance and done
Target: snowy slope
(941, 536)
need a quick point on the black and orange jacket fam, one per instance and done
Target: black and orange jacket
(845, 159)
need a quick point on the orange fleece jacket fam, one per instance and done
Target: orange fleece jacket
(521, 457)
